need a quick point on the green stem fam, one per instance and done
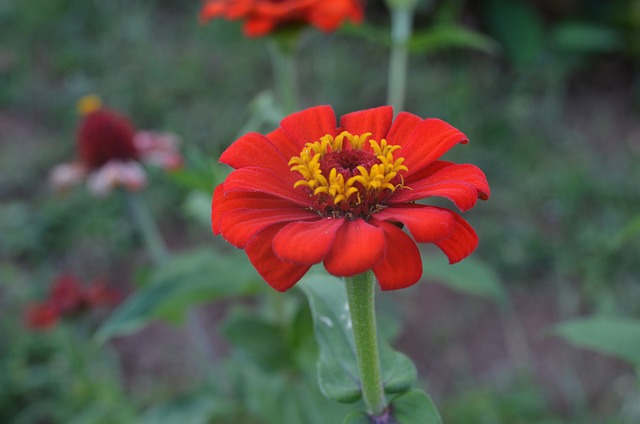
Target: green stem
(148, 230)
(361, 292)
(282, 54)
(401, 26)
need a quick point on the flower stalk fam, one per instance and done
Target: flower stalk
(360, 294)
(401, 28)
(282, 52)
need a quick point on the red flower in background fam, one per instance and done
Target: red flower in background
(314, 191)
(261, 17)
(68, 297)
(110, 151)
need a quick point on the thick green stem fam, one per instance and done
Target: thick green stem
(282, 53)
(361, 292)
(401, 26)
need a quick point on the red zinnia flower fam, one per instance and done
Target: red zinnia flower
(264, 16)
(312, 191)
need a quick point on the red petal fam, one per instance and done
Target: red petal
(280, 275)
(430, 139)
(462, 184)
(402, 265)
(309, 125)
(306, 242)
(260, 180)
(426, 224)
(216, 205)
(238, 226)
(376, 121)
(284, 144)
(357, 248)
(402, 128)
(256, 150)
(462, 242)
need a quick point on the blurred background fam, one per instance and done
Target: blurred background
(547, 91)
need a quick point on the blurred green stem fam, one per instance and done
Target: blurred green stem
(401, 27)
(361, 293)
(282, 52)
(157, 248)
(146, 224)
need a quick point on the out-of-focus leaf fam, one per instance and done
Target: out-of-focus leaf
(517, 26)
(471, 276)
(371, 33)
(442, 37)
(194, 408)
(618, 337)
(197, 206)
(582, 37)
(337, 366)
(257, 339)
(197, 276)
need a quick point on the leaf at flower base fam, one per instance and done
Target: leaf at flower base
(185, 280)
(614, 336)
(471, 276)
(414, 407)
(337, 366)
(411, 407)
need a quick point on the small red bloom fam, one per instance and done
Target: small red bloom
(317, 191)
(261, 17)
(42, 316)
(69, 297)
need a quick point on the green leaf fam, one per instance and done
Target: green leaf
(193, 408)
(582, 37)
(414, 407)
(441, 37)
(411, 407)
(471, 276)
(337, 366)
(517, 26)
(256, 338)
(618, 337)
(197, 276)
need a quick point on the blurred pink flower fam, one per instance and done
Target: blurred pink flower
(110, 152)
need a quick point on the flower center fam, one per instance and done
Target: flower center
(349, 175)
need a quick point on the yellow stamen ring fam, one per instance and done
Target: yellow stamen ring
(369, 182)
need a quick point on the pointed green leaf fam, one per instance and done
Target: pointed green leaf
(337, 366)
(441, 37)
(471, 276)
(185, 280)
(618, 337)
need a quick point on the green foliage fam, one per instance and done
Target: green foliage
(337, 367)
(441, 37)
(618, 337)
(471, 276)
(410, 407)
(193, 277)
